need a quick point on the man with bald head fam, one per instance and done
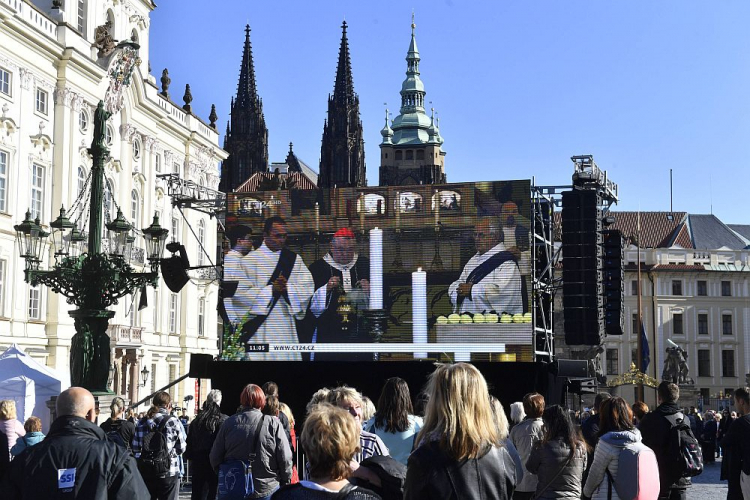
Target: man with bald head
(491, 280)
(75, 460)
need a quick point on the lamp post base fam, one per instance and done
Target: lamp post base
(90, 350)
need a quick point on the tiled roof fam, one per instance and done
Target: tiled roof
(251, 185)
(707, 232)
(741, 229)
(658, 229)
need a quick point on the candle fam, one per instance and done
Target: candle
(419, 309)
(398, 209)
(317, 218)
(376, 268)
(437, 208)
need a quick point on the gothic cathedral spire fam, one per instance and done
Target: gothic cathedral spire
(342, 152)
(246, 140)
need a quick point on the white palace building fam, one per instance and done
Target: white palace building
(51, 79)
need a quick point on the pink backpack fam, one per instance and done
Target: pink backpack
(637, 473)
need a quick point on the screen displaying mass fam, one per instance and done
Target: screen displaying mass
(379, 274)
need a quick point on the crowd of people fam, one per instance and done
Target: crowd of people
(462, 446)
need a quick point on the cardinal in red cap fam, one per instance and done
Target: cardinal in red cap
(341, 277)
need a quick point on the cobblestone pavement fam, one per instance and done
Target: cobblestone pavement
(707, 486)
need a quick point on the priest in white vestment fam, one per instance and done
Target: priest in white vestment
(281, 301)
(240, 239)
(491, 280)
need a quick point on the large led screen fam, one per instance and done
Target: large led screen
(381, 273)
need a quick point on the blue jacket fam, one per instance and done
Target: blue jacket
(30, 439)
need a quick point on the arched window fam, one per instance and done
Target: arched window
(202, 241)
(134, 205)
(81, 180)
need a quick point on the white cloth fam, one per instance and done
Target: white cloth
(254, 297)
(499, 291)
(233, 272)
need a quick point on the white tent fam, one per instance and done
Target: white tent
(30, 384)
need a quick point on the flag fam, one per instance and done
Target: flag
(143, 302)
(645, 353)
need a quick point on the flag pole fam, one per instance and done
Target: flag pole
(639, 345)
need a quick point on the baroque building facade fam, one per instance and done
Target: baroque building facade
(695, 292)
(411, 150)
(51, 79)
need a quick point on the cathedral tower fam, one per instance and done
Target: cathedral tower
(342, 151)
(246, 139)
(411, 149)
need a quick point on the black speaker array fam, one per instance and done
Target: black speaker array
(614, 285)
(583, 278)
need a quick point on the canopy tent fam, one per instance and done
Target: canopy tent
(30, 384)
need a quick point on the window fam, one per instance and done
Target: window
(726, 324)
(201, 315)
(702, 288)
(201, 241)
(35, 302)
(727, 363)
(176, 168)
(173, 376)
(37, 190)
(83, 120)
(702, 323)
(677, 328)
(82, 17)
(81, 180)
(173, 313)
(5, 81)
(175, 228)
(136, 149)
(635, 328)
(42, 98)
(613, 361)
(134, 206)
(2, 288)
(726, 288)
(676, 287)
(634, 287)
(153, 378)
(157, 163)
(704, 363)
(3, 181)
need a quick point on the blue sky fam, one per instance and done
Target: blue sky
(519, 86)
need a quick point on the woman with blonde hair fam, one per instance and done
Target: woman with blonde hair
(9, 423)
(330, 438)
(459, 453)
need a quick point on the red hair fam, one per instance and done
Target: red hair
(252, 397)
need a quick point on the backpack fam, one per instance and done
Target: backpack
(155, 459)
(637, 473)
(115, 436)
(684, 452)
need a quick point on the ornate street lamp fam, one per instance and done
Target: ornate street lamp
(93, 280)
(144, 376)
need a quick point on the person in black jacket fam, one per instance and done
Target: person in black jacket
(735, 467)
(75, 458)
(708, 438)
(4, 457)
(655, 429)
(459, 453)
(116, 427)
(272, 389)
(200, 440)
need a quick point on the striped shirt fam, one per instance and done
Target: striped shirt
(175, 434)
